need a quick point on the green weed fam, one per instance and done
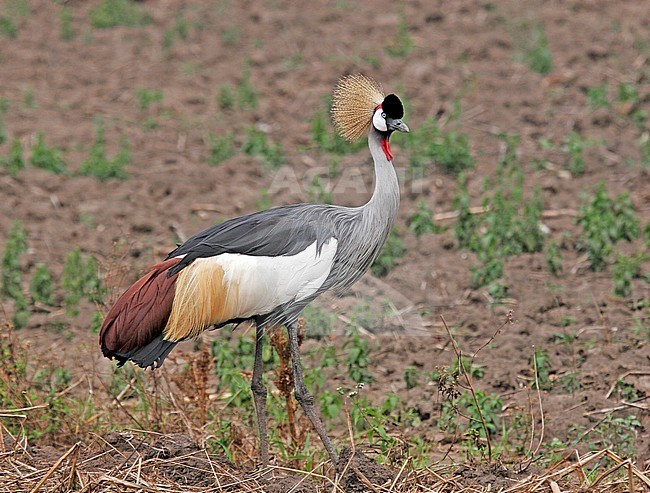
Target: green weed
(644, 149)
(358, 357)
(317, 192)
(624, 270)
(604, 222)
(429, 145)
(112, 13)
(320, 322)
(8, 27)
(553, 258)
(102, 167)
(411, 377)
(574, 147)
(597, 96)
(618, 434)
(67, 31)
(40, 286)
(510, 225)
(422, 222)
(627, 93)
(12, 277)
(393, 249)
(178, 30)
(14, 162)
(81, 279)
(256, 144)
(4, 108)
(247, 95)
(146, 97)
(538, 55)
(221, 148)
(47, 158)
(227, 98)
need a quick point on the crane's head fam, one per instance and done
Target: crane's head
(360, 102)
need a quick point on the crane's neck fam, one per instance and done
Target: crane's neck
(382, 207)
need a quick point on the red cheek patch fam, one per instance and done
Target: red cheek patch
(385, 146)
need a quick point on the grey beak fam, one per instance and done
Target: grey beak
(398, 125)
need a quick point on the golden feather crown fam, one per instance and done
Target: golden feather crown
(353, 104)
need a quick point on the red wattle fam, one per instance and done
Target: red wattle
(385, 146)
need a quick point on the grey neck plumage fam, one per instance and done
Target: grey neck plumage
(364, 233)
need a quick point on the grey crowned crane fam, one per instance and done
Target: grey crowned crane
(266, 266)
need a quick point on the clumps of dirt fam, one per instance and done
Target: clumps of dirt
(293, 484)
(493, 476)
(361, 473)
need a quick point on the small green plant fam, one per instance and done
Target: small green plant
(358, 357)
(627, 93)
(429, 145)
(605, 222)
(510, 225)
(553, 258)
(178, 30)
(256, 144)
(112, 13)
(247, 96)
(618, 434)
(102, 167)
(226, 97)
(12, 277)
(146, 97)
(422, 221)
(320, 322)
(8, 27)
(392, 250)
(67, 31)
(626, 269)
(402, 43)
(318, 192)
(644, 149)
(411, 377)
(574, 147)
(81, 279)
(221, 148)
(538, 55)
(40, 286)
(474, 370)
(4, 107)
(47, 158)
(14, 162)
(597, 96)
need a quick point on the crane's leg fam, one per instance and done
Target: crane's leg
(304, 398)
(259, 394)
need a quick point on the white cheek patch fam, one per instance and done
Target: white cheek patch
(379, 121)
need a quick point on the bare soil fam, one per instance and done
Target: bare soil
(463, 50)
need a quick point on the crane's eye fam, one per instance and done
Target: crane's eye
(379, 120)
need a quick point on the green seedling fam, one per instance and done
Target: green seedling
(47, 158)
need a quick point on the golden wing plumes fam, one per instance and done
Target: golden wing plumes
(354, 102)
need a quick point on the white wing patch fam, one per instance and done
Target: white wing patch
(265, 283)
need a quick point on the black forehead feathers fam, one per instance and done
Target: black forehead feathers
(393, 107)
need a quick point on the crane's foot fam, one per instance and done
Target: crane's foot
(259, 397)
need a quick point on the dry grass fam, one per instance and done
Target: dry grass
(174, 464)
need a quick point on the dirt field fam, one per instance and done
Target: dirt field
(186, 75)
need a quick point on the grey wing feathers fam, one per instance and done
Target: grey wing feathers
(284, 230)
